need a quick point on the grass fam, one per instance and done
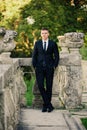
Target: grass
(29, 94)
(83, 52)
(84, 122)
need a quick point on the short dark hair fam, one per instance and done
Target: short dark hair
(45, 28)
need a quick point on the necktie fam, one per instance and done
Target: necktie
(44, 46)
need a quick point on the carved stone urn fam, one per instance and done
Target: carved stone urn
(7, 44)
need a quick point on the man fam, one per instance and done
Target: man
(45, 59)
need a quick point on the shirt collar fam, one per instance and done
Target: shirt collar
(45, 41)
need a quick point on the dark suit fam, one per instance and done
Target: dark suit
(44, 63)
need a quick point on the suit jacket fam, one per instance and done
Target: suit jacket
(50, 56)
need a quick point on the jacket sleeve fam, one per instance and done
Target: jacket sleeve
(34, 56)
(56, 55)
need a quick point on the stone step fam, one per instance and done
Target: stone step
(84, 97)
(32, 119)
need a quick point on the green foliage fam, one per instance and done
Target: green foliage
(83, 52)
(29, 78)
(45, 14)
(11, 19)
(10, 11)
(29, 95)
(59, 16)
(84, 122)
(24, 41)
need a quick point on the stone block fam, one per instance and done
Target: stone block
(56, 102)
(25, 61)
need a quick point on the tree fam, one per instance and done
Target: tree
(45, 14)
(10, 12)
(54, 14)
(28, 17)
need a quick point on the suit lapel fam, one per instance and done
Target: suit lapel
(48, 45)
(41, 44)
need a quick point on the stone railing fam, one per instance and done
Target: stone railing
(12, 86)
(12, 90)
(70, 70)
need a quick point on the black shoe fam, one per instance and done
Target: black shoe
(50, 108)
(44, 109)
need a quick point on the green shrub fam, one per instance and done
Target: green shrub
(83, 52)
(29, 94)
(84, 122)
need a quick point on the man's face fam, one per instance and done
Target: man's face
(44, 34)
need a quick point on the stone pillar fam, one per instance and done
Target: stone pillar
(84, 82)
(58, 79)
(84, 71)
(71, 87)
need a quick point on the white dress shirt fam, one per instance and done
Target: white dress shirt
(45, 42)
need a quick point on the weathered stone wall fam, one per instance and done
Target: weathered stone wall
(84, 73)
(12, 88)
(84, 82)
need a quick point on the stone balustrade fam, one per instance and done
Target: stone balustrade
(12, 85)
(12, 90)
(70, 70)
